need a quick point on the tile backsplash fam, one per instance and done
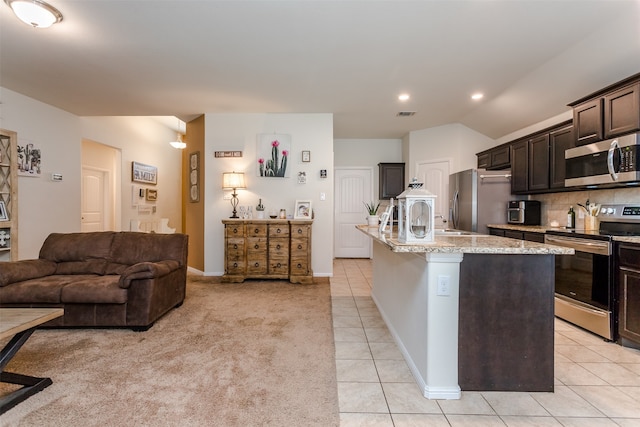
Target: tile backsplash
(556, 205)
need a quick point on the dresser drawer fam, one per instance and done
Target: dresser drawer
(299, 246)
(235, 267)
(256, 230)
(235, 249)
(300, 231)
(279, 230)
(278, 248)
(257, 264)
(299, 266)
(235, 230)
(279, 265)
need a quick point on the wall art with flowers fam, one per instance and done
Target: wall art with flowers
(274, 151)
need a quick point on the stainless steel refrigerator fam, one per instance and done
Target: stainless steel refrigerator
(478, 198)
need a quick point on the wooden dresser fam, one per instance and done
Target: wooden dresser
(267, 249)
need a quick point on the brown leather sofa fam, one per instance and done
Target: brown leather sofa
(101, 279)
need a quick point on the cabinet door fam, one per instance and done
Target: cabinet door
(391, 180)
(533, 237)
(622, 111)
(587, 121)
(520, 167)
(514, 234)
(484, 160)
(500, 157)
(539, 162)
(496, 232)
(559, 141)
(629, 297)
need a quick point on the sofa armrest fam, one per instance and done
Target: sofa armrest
(147, 270)
(17, 271)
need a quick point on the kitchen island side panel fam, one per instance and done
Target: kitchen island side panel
(506, 323)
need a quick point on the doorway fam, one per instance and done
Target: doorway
(352, 187)
(435, 176)
(99, 187)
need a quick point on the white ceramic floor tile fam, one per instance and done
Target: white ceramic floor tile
(373, 322)
(512, 421)
(378, 335)
(346, 322)
(361, 397)
(610, 401)
(470, 403)
(574, 374)
(505, 403)
(385, 350)
(356, 371)
(405, 398)
(617, 353)
(613, 373)
(627, 422)
(365, 420)
(475, 421)
(587, 422)
(352, 350)
(394, 371)
(579, 353)
(419, 420)
(349, 335)
(634, 392)
(564, 402)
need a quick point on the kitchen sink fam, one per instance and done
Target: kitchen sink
(451, 232)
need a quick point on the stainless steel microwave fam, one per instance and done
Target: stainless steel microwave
(614, 161)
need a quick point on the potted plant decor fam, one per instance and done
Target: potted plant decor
(372, 210)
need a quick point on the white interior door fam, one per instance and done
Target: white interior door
(352, 186)
(435, 176)
(94, 199)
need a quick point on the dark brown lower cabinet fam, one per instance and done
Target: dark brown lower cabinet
(502, 347)
(629, 292)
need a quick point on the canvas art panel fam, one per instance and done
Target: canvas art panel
(273, 152)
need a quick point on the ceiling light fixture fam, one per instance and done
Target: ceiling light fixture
(477, 96)
(404, 97)
(36, 13)
(179, 143)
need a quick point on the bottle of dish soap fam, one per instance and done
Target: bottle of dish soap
(571, 218)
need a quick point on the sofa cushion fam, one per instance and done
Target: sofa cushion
(38, 291)
(61, 247)
(94, 290)
(90, 266)
(131, 248)
(24, 270)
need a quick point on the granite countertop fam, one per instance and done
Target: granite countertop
(473, 243)
(545, 228)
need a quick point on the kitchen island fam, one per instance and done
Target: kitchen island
(468, 311)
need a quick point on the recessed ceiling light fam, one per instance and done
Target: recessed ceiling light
(477, 96)
(403, 97)
(36, 13)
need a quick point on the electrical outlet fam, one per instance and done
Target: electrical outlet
(323, 196)
(444, 286)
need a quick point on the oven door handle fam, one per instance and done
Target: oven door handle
(581, 245)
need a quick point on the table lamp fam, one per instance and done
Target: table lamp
(233, 181)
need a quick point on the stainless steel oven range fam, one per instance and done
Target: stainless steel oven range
(585, 293)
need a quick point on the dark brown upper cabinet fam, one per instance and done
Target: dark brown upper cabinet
(539, 162)
(496, 158)
(622, 111)
(559, 141)
(520, 167)
(608, 113)
(391, 180)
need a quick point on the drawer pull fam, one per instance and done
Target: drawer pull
(299, 265)
(278, 231)
(278, 265)
(235, 230)
(257, 264)
(277, 246)
(299, 246)
(235, 246)
(256, 246)
(299, 230)
(256, 230)
(235, 265)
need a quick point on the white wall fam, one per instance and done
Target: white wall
(367, 152)
(45, 206)
(238, 132)
(143, 140)
(453, 141)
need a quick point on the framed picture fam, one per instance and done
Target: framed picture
(194, 177)
(144, 173)
(273, 151)
(306, 156)
(3, 212)
(151, 195)
(302, 210)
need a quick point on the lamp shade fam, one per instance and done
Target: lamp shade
(233, 180)
(35, 12)
(179, 143)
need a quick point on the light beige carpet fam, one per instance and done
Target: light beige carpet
(259, 353)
